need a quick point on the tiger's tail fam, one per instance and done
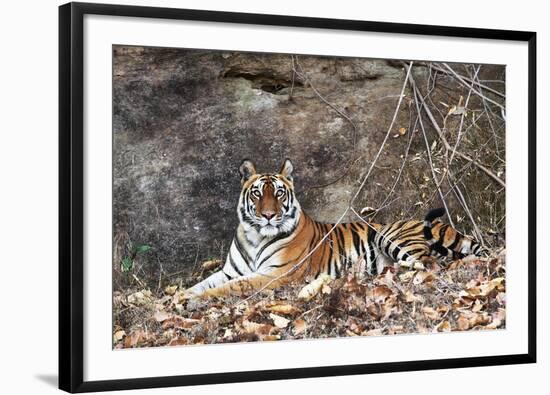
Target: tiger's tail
(435, 245)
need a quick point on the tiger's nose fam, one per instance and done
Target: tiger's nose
(268, 214)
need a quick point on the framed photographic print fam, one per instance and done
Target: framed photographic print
(259, 197)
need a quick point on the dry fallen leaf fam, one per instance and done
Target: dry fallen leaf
(254, 327)
(271, 337)
(396, 330)
(211, 264)
(407, 276)
(373, 332)
(119, 335)
(380, 293)
(476, 319)
(161, 315)
(423, 277)
(430, 313)
(178, 341)
(463, 324)
(389, 308)
(387, 278)
(443, 326)
(170, 289)
(501, 298)
(280, 322)
(410, 297)
(497, 319)
(140, 298)
(312, 289)
(299, 326)
(457, 110)
(135, 338)
(496, 283)
(283, 308)
(477, 306)
(485, 288)
(178, 322)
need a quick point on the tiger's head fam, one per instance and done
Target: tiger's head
(267, 203)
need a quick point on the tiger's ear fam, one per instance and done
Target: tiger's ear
(247, 170)
(286, 169)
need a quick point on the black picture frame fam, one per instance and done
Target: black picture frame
(71, 179)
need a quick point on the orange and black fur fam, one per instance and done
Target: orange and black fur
(277, 243)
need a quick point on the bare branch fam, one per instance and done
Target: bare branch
(428, 150)
(461, 79)
(477, 82)
(388, 195)
(459, 135)
(446, 143)
(464, 205)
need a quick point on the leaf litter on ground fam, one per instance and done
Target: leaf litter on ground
(467, 294)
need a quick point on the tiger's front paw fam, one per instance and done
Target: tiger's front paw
(414, 265)
(191, 293)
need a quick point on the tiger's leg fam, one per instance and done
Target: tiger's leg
(215, 280)
(381, 262)
(415, 258)
(246, 285)
(234, 268)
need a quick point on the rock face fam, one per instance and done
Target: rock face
(185, 119)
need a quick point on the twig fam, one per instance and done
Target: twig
(463, 171)
(160, 275)
(310, 310)
(448, 146)
(478, 83)
(464, 205)
(387, 134)
(428, 150)
(459, 78)
(411, 133)
(141, 283)
(487, 110)
(459, 135)
(293, 77)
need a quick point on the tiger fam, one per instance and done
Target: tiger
(421, 240)
(277, 243)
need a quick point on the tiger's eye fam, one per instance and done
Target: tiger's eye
(256, 194)
(280, 193)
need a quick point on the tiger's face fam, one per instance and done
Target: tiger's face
(267, 204)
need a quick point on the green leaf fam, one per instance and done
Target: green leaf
(127, 264)
(140, 249)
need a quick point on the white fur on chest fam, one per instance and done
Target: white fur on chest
(260, 247)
